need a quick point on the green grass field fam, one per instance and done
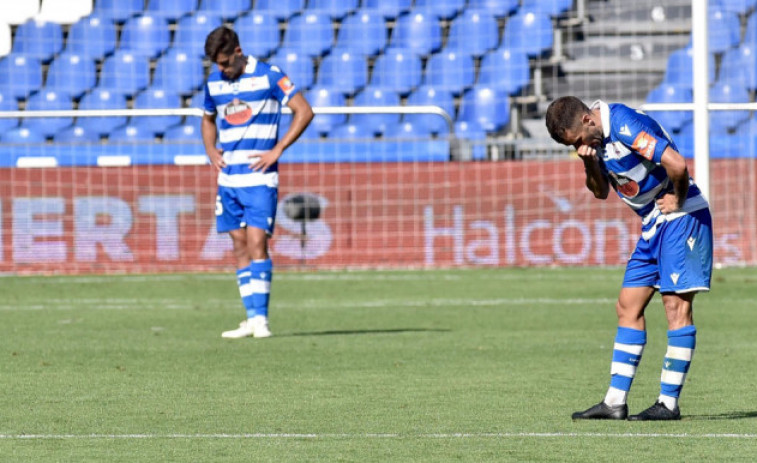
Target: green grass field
(463, 365)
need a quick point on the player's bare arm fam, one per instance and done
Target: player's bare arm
(596, 182)
(302, 114)
(209, 133)
(675, 166)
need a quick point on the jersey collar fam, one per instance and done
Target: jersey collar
(604, 113)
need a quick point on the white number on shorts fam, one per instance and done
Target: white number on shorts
(219, 206)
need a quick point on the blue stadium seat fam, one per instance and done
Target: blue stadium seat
(506, 70)
(93, 37)
(417, 31)
(183, 132)
(76, 134)
(281, 9)
(390, 9)
(335, 9)
(198, 100)
(351, 131)
(310, 133)
(145, 35)
(473, 133)
(727, 93)
(376, 123)
(118, 10)
(426, 95)
(739, 67)
(407, 130)
(723, 29)
(130, 134)
(450, 71)
(666, 93)
(48, 100)
(298, 67)
(474, 32)
(397, 70)
(171, 10)
(684, 140)
(443, 9)
(227, 9)
(499, 8)
(738, 6)
(21, 135)
(191, 32)
(156, 98)
(485, 107)
(20, 75)
(529, 31)
(259, 33)
(343, 72)
(363, 32)
(179, 71)
(7, 103)
(125, 73)
(679, 68)
(71, 73)
(750, 36)
(38, 39)
(549, 7)
(310, 34)
(101, 99)
(318, 96)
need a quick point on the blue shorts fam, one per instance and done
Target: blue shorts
(677, 259)
(253, 206)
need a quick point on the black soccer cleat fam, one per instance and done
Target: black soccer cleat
(602, 411)
(657, 412)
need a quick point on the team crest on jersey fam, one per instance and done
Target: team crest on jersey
(285, 85)
(645, 144)
(237, 112)
(626, 186)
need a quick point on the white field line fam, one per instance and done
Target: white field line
(173, 304)
(362, 436)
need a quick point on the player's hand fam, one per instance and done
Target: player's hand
(668, 203)
(216, 158)
(587, 154)
(261, 162)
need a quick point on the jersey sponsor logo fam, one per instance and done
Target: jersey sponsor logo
(645, 144)
(626, 186)
(285, 85)
(237, 112)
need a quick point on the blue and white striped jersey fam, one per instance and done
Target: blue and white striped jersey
(249, 110)
(633, 147)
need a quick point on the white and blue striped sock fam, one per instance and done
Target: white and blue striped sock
(261, 274)
(626, 355)
(681, 344)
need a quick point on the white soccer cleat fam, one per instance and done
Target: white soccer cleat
(256, 327)
(260, 327)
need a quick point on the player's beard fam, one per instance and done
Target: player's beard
(236, 68)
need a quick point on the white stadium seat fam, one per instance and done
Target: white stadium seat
(18, 12)
(64, 11)
(5, 39)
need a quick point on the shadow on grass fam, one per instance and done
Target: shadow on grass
(735, 415)
(355, 332)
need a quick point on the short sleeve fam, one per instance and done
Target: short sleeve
(283, 88)
(642, 134)
(209, 106)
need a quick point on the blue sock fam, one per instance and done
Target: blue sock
(261, 274)
(681, 344)
(626, 355)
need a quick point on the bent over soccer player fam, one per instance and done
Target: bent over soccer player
(628, 151)
(248, 94)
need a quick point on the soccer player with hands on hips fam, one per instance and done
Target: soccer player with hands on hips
(246, 96)
(629, 151)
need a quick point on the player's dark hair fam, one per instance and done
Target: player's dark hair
(564, 114)
(221, 40)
